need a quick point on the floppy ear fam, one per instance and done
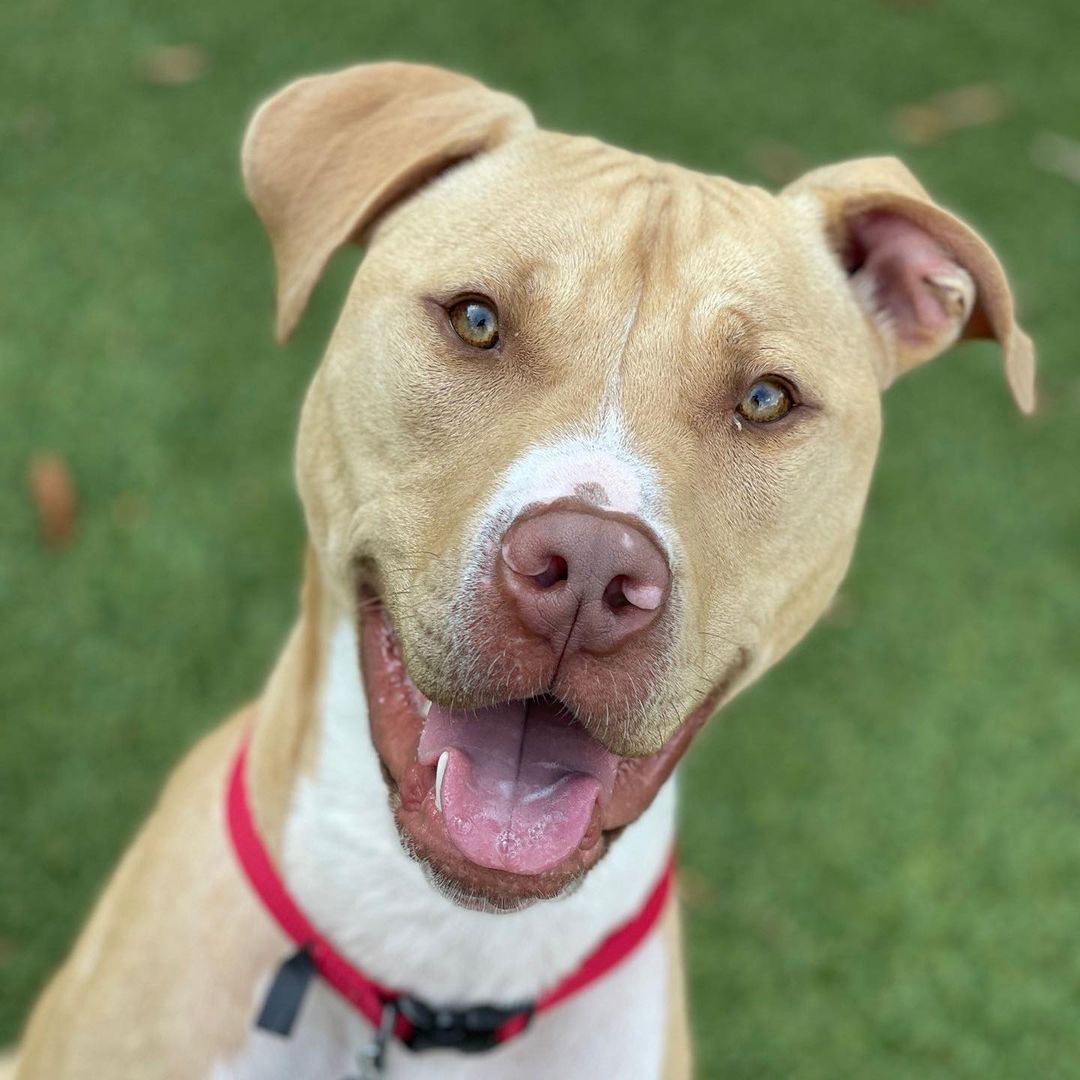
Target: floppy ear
(925, 277)
(325, 155)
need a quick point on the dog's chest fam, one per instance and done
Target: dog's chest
(614, 1028)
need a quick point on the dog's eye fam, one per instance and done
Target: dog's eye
(475, 322)
(767, 400)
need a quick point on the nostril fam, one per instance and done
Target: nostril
(555, 571)
(615, 595)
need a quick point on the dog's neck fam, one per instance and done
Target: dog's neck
(321, 803)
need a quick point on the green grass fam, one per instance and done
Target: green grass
(883, 838)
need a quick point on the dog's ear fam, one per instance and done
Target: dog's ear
(925, 277)
(325, 155)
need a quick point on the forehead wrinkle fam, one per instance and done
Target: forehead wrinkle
(576, 158)
(736, 334)
(649, 250)
(606, 171)
(604, 258)
(732, 199)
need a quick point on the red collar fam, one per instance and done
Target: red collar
(414, 1023)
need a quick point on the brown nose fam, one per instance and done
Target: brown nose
(581, 580)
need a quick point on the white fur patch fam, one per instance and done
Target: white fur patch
(600, 466)
(603, 459)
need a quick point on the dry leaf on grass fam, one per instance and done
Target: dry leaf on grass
(1057, 154)
(778, 162)
(926, 122)
(919, 125)
(968, 106)
(173, 65)
(695, 889)
(53, 493)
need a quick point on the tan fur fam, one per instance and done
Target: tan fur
(678, 1060)
(604, 264)
(178, 869)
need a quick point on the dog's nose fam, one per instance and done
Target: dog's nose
(583, 581)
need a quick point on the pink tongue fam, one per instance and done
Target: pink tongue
(521, 782)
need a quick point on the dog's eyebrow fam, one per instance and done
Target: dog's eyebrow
(734, 331)
(533, 273)
(747, 347)
(731, 330)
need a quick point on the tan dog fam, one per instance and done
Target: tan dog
(587, 453)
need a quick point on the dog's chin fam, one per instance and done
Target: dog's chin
(558, 829)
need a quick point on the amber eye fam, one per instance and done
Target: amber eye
(475, 322)
(767, 400)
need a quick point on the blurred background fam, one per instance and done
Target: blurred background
(881, 841)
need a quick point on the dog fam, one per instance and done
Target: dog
(587, 453)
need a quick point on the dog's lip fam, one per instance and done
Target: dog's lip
(397, 709)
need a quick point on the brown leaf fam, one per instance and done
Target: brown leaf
(919, 125)
(778, 162)
(926, 122)
(969, 106)
(174, 65)
(53, 493)
(1056, 154)
(695, 889)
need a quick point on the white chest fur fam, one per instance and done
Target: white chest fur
(346, 867)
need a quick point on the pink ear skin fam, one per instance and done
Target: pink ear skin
(915, 268)
(910, 283)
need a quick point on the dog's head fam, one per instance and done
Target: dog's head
(591, 441)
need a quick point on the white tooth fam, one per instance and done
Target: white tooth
(425, 709)
(440, 769)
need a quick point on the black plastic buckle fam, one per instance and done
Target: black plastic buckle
(470, 1030)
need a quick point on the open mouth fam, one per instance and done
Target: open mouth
(504, 804)
(520, 785)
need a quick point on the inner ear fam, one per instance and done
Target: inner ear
(920, 296)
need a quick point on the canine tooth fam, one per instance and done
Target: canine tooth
(425, 709)
(440, 769)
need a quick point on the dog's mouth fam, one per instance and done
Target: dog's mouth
(506, 804)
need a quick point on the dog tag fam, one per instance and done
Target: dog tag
(372, 1058)
(286, 994)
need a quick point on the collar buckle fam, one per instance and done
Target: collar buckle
(471, 1030)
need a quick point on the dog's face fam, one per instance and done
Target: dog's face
(590, 444)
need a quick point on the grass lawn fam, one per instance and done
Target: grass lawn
(882, 839)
